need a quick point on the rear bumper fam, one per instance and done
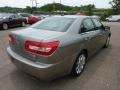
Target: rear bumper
(40, 70)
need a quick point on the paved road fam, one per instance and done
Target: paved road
(102, 71)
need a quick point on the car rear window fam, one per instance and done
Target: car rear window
(60, 24)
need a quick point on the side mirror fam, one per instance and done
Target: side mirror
(106, 27)
(83, 29)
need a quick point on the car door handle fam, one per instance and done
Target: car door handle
(87, 38)
(100, 34)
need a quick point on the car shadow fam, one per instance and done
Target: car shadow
(23, 81)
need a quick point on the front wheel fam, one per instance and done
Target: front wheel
(107, 42)
(79, 65)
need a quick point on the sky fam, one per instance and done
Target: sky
(24, 3)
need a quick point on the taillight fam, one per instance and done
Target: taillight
(42, 48)
(11, 40)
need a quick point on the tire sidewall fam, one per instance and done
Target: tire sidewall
(74, 72)
(107, 43)
(23, 24)
(4, 27)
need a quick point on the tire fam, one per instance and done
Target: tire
(5, 26)
(119, 20)
(23, 24)
(107, 42)
(79, 65)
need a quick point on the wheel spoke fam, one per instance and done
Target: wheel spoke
(80, 64)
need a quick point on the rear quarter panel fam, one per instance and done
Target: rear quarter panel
(70, 47)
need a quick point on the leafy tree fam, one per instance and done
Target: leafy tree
(88, 8)
(55, 7)
(28, 9)
(10, 9)
(115, 6)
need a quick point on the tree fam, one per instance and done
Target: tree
(28, 9)
(55, 7)
(115, 6)
(88, 8)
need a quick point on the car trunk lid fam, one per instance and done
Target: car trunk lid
(31, 34)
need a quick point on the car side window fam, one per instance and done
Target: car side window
(16, 16)
(12, 16)
(87, 25)
(25, 15)
(98, 24)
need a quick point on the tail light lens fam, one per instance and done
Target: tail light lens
(41, 48)
(12, 40)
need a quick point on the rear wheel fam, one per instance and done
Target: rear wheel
(5, 26)
(79, 64)
(23, 24)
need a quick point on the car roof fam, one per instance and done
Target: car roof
(74, 16)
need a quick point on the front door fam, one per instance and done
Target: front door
(90, 35)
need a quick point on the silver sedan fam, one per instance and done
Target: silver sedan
(58, 45)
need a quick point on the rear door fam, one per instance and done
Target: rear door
(11, 21)
(14, 20)
(18, 19)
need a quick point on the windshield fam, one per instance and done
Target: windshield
(60, 24)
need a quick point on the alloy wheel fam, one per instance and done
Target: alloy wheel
(5, 26)
(80, 63)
